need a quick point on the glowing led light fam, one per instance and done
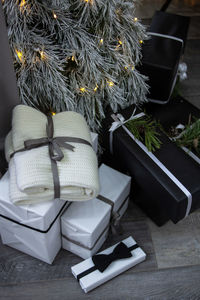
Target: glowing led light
(42, 54)
(22, 5)
(54, 15)
(120, 42)
(129, 66)
(96, 87)
(141, 42)
(135, 19)
(82, 89)
(53, 113)
(89, 1)
(20, 55)
(110, 83)
(101, 41)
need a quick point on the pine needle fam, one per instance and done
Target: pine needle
(145, 130)
(191, 137)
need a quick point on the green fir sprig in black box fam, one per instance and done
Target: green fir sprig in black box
(166, 179)
(190, 137)
(145, 130)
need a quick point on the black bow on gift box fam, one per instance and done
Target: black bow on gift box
(102, 261)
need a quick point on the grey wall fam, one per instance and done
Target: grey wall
(8, 88)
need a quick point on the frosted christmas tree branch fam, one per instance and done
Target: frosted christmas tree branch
(77, 55)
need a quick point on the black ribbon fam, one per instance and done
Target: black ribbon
(55, 151)
(33, 228)
(102, 261)
(116, 227)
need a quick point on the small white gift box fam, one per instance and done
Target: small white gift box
(85, 225)
(90, 277)
(32, 229)
(94, 137)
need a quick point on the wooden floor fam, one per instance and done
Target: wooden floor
(172, 268)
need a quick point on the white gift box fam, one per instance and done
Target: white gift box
(94, 137)
(90, 278)
(85, 225)
(32, 229)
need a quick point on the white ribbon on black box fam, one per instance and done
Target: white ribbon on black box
(120, 121)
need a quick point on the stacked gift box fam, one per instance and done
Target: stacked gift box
(40, 225)
(85, 225)
(35, 228)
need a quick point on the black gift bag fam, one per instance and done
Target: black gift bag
(8, 89)
(162, 53)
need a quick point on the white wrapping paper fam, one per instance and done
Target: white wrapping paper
(85, 225)
(43, 246)
(96, 278)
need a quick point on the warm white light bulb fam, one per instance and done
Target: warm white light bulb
(20, 55)
(54, 15)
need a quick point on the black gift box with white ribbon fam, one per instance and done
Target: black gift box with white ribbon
(177, 111)
(167, 180)
(162, 53)
(175, 114)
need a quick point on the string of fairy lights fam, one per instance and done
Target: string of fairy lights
(23, 6)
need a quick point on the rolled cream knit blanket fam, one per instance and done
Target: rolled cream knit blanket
(31, 178)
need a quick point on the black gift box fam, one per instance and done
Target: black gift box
(177, 111)
(162, 53)
(158, 195)
(8, 88)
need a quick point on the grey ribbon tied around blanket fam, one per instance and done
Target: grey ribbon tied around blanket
(55, 151)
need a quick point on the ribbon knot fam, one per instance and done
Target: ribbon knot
(102, 261)
(50, 139)
(54, 143)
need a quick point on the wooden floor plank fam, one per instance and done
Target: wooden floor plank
(172, 284)
(195, 100)
(133, 213)
(177, 244)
